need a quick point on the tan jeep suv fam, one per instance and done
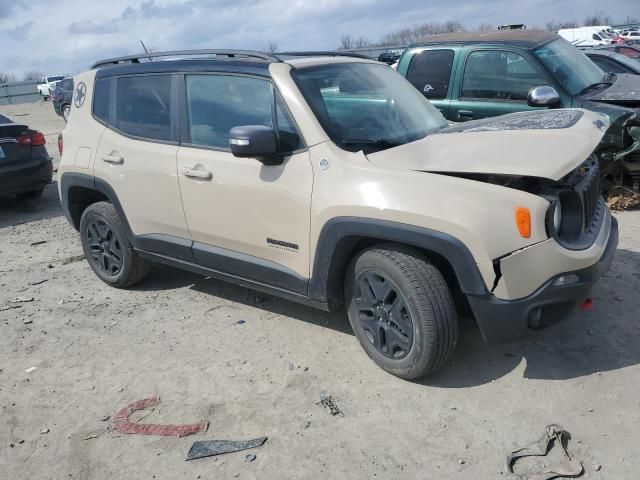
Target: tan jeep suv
(329, 180)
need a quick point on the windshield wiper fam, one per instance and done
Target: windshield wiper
(377, 142)
(595, 85)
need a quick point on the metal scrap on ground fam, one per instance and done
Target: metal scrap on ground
(208, 448)
(329, 403)
(123, 425)
(553, 435)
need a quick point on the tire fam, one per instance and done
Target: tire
(66, 110)
(416, 336)
(107, 247)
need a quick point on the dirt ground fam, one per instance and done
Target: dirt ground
(255, 366)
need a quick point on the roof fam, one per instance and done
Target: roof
(230, 61)
(528, 38)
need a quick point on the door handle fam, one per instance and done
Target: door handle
(467, 114)
(199, 174)
(115, 159)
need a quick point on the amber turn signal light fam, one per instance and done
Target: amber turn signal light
(523, 222)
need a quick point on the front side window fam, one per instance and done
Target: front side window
(217, 103)
(430, 71)
(366, 106)
(569, 65)
(143, 106)
(499, 75)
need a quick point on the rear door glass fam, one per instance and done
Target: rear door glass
(143, 106)
(430, 72)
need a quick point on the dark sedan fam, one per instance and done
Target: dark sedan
(613, 62)
(25, 165)
(62, 96)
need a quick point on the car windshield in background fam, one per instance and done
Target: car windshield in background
(55, 79)
(364, 106)
(570, 66)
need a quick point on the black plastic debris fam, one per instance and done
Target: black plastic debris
(209, 448)
(329, 403)
(554, 435)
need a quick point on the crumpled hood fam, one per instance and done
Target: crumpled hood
(624, 91)
(538, 143)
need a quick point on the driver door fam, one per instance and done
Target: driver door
(495, 82)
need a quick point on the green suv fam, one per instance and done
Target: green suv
(476, 75)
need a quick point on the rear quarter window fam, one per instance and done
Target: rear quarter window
(101, 95)
(430, 71)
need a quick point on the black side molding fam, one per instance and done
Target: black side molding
(340, 234)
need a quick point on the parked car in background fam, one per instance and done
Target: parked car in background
(585, 36)
(25, 165)
(47, 84)
(484, 74)
(631, 35)
(630, 51)
(613, 62)
(62, 96)
(390, 57)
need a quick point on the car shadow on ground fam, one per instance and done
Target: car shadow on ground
(604, 339)
(607, 338)
(15, 211)
(164, 278)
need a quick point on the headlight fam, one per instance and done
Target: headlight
(557, 216)
(565, 217)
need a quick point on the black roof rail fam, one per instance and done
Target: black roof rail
(180, 53)
(320, 54)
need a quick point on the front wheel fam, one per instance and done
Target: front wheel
(401, 310)
(66, 110)
(107, 248)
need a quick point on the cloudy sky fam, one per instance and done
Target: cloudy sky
(66, 36)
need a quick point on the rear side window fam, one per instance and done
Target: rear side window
(143, 106)
(606, 65)
(101, 95)
(217, 103)
(66, 85)
(430, 71)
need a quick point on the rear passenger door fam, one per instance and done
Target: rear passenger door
(245, 218)
(430, 71)
(494, 82)
(137, 154)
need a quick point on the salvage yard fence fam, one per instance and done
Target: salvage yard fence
(19, 92)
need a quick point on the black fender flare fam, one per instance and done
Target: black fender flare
(340, 234)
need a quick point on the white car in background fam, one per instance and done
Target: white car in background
(47, 84)
(585, 36)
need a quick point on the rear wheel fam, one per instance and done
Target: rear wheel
(401, 310)
(107, 248)
(66, 110)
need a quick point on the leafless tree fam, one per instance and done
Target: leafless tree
(271, 48)
(34, 75)
(405, 36)
(554, 26)
(346, 41)
(485, 27)
(598, 18)
(6, 77)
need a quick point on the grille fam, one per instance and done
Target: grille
(589, 189)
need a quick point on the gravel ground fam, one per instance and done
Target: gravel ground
(255, 366)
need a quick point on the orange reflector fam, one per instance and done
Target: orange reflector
(523, 221)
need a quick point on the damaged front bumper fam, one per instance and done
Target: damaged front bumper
(502, 321)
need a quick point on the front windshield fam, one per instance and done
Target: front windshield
(571, 67)
(366, 106)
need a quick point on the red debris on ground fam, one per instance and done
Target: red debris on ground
(123, 425)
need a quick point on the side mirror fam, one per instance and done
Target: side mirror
(256, 141)
(543, 97)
